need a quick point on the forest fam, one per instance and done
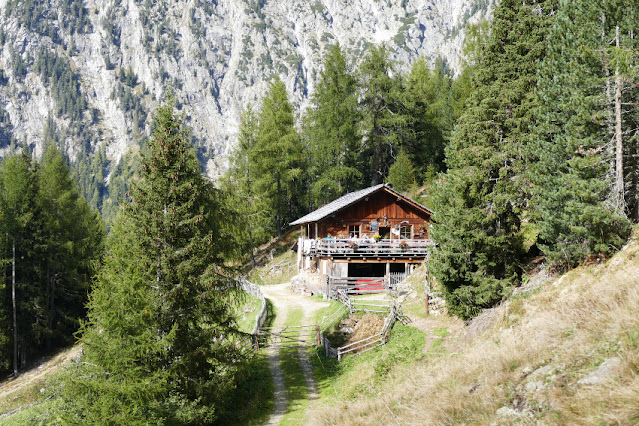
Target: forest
(531, 149)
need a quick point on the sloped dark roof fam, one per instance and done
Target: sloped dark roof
(348, 199)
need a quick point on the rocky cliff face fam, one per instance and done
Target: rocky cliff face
(92, 71)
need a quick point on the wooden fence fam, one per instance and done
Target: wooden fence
(342, 293)
(255, 290)
(374, 341)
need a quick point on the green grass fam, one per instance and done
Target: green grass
(246, 311)
(30, 399)
(36, 414)
(363, 375)
(251, 402)
(296, 390)
(325, 313)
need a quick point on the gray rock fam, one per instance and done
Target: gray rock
(535, 386)
(542, 372)
(605, 370)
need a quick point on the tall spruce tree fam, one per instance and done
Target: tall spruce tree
(478, 204)
(573, 201)
(156, 342)
(332, 131)
(277, 157)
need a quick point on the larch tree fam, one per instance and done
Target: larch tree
(430, 116)
(384, 117)
(402, 172)
(73, 239)
(277, 157)
(239, 185)
(332, 131)
(157, 340)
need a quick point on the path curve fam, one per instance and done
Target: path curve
(284, 301)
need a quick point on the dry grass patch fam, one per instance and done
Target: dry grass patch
(522, 361)
(368, 325)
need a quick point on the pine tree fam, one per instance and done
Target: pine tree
(277, 157)
(331, 128)
(156, 342)
(478, 204)
(572, 199)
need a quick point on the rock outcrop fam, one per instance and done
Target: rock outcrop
(115, 59)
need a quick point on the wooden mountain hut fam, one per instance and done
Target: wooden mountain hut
(373, 233)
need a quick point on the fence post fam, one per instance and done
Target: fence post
(318, 339)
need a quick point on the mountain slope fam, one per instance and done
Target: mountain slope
(90, 72)
(562, 351)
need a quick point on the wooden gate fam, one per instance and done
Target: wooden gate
(295, 335)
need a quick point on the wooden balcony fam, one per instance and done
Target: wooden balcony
(367, 249)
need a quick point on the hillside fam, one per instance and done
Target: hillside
(92, 71)
(559, 351)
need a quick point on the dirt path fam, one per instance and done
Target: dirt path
(285, 301)
(31, 376)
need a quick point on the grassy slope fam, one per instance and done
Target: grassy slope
(523, 359)
(282, 267)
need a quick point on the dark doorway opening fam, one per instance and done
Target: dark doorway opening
(398, 267)
(366, 269)
(384, 232)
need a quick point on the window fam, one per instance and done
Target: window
(353, 230)
(405, 232)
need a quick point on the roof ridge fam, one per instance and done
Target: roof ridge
(346, 200)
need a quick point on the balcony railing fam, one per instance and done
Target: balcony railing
(341, 248)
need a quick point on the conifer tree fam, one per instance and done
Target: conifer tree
(572, 198)
(430, 115)
(20, 235)
(240, 189)
(478, 205)
(72, 245)
(383, 113)
(402, 172)
(331, 128)
(156, 342)
(277, 157)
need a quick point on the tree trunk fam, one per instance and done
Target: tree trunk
(250, 236)
(15, 316)
(279, 206)
(619, 184)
